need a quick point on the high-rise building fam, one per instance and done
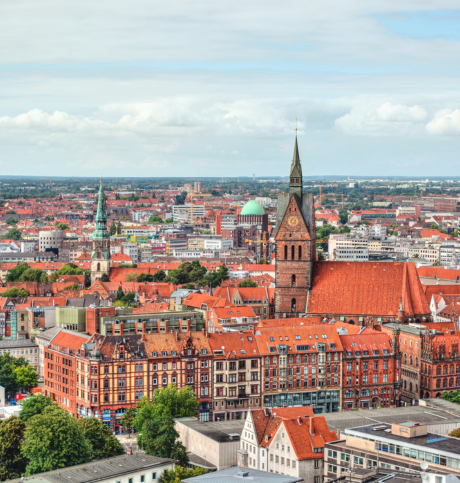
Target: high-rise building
(197, 187)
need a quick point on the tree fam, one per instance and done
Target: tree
(155, 220)
(53, 440)
(15, 274)
(160, 438)
(416, 255)
(129, 298)
(177, 276)
(103, 443)
(10, 212)
(12, 461)
(222, 273)
(131, 277)
(33, 275)
(105, 278)
(159, 276)
(34, 405)
(128, 419)
(13, 234)
(180, 473)
(26, 376)
(11, 292)
(72, 286)
(343, 217)
(11, 221)
(120, 293)
(455, 433)
(247, 283)
(23, 294)
(62, 226)
(119, 228)
(321, 256)
(112, 229)
(434, 227)
(169, 220)
(437, 263)
(49, 218)
(145, 277)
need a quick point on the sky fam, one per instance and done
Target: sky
(213, 88)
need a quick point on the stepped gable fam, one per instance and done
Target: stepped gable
(366, 288)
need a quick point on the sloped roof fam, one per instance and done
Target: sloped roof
(366, 288)
(439, 273)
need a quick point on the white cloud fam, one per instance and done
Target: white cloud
(385, 120)
(445, 122)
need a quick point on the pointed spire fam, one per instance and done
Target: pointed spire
(101, 213)
(296, 168)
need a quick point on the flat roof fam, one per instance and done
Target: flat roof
(218, 431)
(235, 474)
(17, 343)
(98, 470)
(421, 414)
(432, 441)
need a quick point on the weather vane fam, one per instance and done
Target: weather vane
(296, 124)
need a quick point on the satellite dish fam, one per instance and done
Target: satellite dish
(424, 476)
(424, 465)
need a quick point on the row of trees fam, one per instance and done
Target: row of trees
(24, 273)
(45, 437)
(191, 273)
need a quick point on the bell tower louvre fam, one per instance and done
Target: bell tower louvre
(295, 236)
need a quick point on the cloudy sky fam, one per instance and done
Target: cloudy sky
(212, 88)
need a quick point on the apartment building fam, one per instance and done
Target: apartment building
(288, 441)
(182, 213)
(301, 366)
(237, 378)
(348, 248)
(449, 253)
(21, 348)
(428, 253)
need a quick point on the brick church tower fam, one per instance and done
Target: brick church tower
(295, 236)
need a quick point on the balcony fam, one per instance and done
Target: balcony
(243, 396)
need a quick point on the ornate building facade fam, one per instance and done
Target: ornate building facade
(100, 255)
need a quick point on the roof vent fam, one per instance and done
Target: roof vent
(242, 474)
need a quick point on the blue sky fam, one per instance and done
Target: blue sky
(212, 89)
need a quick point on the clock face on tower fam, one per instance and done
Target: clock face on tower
(98, 243)
(293, 222)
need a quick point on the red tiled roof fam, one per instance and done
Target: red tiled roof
(71, 341)
(439, 273)
(366, 288)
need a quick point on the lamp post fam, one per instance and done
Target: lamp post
(204, 461)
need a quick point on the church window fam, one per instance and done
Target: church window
(293, 304)
(293, 281)
(300, 252)
(285, 252)
(292, 252)
(98, 267)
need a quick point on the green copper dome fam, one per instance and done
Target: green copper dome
(252, 208)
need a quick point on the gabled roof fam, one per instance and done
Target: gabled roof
(349, 288)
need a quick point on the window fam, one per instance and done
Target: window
(154, 476)
(142, 478)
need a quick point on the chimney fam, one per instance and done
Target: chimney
(188, 325)
(166, 326)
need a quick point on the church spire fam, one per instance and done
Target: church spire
(101, 215)
(295, 182)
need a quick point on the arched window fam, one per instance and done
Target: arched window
(305, 359)
(438, 371)
(285, 252)
(451, 382)
(438, 383)
(292, 252)
(410, 387)
(293, 305)
(416, 362)
(444, 382)
(457, 381)
(451, 369)
(405, 358)
(410, 360)
(300, 252)
(293, 280)
(98, 267)
(444, 370)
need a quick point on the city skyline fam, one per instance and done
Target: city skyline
(156, 90)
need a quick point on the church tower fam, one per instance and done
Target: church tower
(100, 255)
(295, 237)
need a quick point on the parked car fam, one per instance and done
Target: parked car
(41, 379)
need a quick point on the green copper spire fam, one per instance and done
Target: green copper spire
(101, 217)
(295, 183)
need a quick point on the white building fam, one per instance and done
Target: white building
(348, 248)
(50, 239)
(285, 441)
(449, 253)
